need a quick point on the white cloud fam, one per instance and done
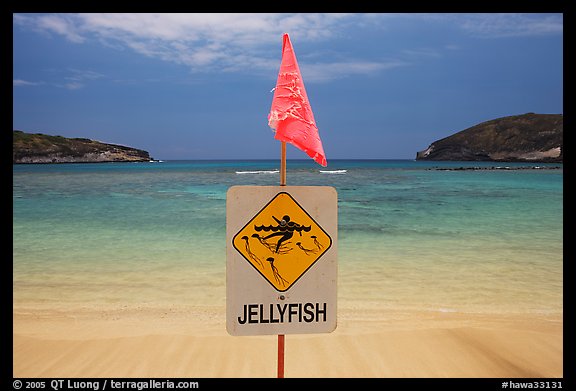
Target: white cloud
(78, 78)
(79, 75)
(244, 42)
(422, 52)
(61, 24)
(511, 25)
(321, 72)
(74, 85)
(204, 42)
(75, 80)
(487, 25)
(20, 83)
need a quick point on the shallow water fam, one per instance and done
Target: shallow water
(410, 236)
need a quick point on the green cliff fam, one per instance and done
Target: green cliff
(41, 148)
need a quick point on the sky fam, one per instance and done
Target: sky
(200, 86)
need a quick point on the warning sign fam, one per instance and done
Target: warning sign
(281, 267)
(282, 241)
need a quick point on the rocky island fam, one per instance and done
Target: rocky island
(521, 138)
(42, 148)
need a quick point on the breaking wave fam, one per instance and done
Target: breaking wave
(333, 171)
(259, 172)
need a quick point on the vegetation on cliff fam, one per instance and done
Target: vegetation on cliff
(42, 148)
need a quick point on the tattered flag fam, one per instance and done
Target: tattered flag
(291, 115)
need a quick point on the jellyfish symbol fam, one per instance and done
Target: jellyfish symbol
(317, 243)
(279, 279)
(250, 253)
(307, 251)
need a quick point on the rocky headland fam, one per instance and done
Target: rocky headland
(42, 148)
(520, 138)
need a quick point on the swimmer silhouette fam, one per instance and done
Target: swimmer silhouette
(284, 248)
(285, 229)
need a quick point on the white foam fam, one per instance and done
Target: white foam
(258, 172)
(333, 171)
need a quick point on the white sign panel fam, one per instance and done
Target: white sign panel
(281, 268)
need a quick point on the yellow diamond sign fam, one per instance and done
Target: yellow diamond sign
(282, 241)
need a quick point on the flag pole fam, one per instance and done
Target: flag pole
(281, 336)
(283, 164)
(280, 356)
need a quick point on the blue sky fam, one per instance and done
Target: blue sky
(198, 86)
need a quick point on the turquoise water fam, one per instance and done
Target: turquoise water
(411, 236)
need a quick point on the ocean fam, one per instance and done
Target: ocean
(412, 235)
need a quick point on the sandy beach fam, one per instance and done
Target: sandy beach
(118, 271)
(191, 342)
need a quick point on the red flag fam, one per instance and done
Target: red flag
(291, 115)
